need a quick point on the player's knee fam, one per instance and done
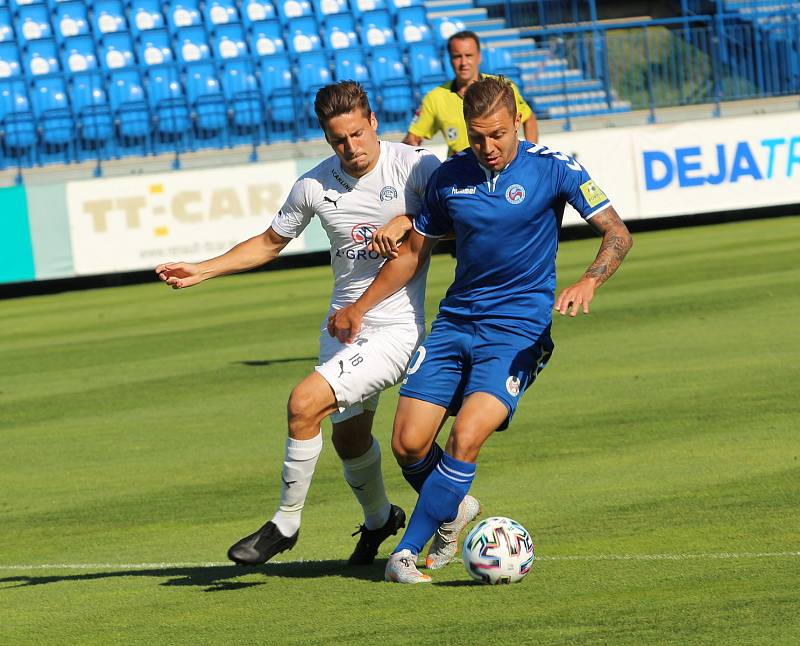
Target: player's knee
(465, 442)
(301, 409)
(407, 447)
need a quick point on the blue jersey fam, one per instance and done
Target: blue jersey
(506, 227)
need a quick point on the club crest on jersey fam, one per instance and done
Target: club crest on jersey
(363, 233)
(512, 385)
(515, 193)
(452, 133)
(388, 193)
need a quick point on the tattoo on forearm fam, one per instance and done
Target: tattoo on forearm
(613, 249)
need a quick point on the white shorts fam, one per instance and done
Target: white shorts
(375, 361)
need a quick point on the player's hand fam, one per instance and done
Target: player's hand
(345, 324)
(387, 238)
(179, 274)
(575, 297)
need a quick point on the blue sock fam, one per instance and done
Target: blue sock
(416, 474)
(438, 501)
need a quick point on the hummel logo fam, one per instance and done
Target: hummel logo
(325, 198)
(288, 483)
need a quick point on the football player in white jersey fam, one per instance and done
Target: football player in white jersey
(366, 184)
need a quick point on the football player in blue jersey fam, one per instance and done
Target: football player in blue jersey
(503, 199)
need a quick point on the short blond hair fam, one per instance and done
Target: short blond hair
(487, 95)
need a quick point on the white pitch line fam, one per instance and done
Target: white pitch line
(576, 557)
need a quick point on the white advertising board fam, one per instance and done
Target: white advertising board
(693, 167)
(132, 223)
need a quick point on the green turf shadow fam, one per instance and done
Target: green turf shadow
(219, 578)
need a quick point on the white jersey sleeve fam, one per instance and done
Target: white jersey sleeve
(297, 211)
(418, 179)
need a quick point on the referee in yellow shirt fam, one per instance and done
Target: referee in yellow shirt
(442, 108)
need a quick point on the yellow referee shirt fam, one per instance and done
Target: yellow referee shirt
(442, 110)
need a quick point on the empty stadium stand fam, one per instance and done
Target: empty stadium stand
(109, 78)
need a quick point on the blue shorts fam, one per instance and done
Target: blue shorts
(461, 357)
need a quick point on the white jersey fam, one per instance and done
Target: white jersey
(351, 210)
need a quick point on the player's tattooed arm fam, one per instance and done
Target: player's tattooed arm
(615, 245)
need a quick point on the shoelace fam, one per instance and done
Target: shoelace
(362, 529)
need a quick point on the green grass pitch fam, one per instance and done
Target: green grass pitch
(656, 463)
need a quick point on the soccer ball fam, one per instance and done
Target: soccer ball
(498, 550)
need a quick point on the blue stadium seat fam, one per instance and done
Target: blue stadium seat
(340, 32)
(444, 27)
(496, 60)
(40, 57)
(167, 102)
(220, 12)
(6, 26)
(9, 61)
(257, 10)
(229, 42)
(361, 6)
(16, 5)
(267, 38)
(146, 15)
(386, 64)
(116, 50)
(427, 68)
(191, 45)
(293, 9)
(313, 71)
(395, 6)
(350, 64)
(70, 20)
(376, 28)
(108, 17)
(87, 92)
(389, 73)
(303, 36)
(325, 8)
(33, 23)
(183, 13)
(205, 97)
(16, 118)
(129, 107)
(241, 91)
(412, 25)
(78, 54)
(278, 93)
(154, 48)
(52, 111)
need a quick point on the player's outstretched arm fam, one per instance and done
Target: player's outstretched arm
(257, 251)
(345, 323)
(387, 238)
(616, 243)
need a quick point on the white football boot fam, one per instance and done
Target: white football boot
(444, 545)
(402, 568)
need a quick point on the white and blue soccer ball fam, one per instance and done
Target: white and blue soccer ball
(498, 550)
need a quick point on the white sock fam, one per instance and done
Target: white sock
(299, 463)
(363, 474)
